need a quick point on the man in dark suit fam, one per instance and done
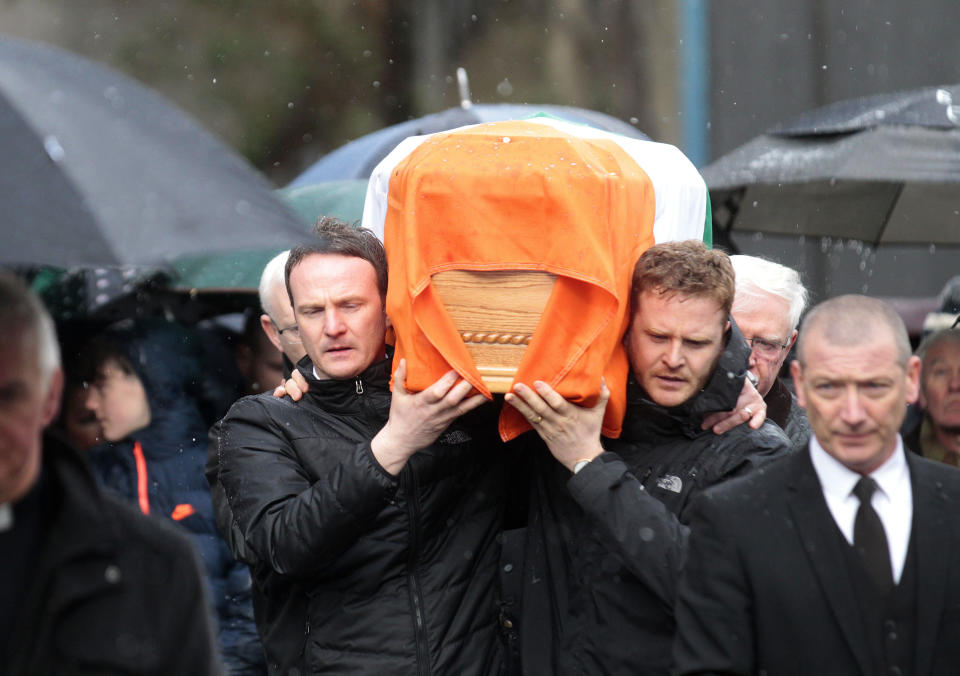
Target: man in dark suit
(840, 559)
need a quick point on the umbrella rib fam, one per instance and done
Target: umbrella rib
(890, 208)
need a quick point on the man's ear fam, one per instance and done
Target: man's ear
(914, 367)
(273, 335)
(51, 403)
(793, 339)
(797, 372)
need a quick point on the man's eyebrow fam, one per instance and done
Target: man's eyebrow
(16, 388)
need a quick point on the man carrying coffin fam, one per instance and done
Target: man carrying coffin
(370, 521)
(607, 534)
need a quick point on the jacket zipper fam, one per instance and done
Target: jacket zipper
(359, 385)
(413, 581)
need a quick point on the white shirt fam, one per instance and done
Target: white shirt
(893, 500)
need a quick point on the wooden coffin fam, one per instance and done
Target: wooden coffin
(496, 314)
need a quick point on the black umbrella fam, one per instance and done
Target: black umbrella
(96, 169)
(882, 169)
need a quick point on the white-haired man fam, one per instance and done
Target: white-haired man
(270, 344)
(277, 319)
(89, 585)
(767, 306)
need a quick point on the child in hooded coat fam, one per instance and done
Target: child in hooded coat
(144, 378)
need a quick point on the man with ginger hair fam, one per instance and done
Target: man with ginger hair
(607, 533)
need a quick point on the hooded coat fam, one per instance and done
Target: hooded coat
(357, 571)
(161, 469)
(605, 546)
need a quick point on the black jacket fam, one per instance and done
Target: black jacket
(110, 591)
(783, 409)
(355, 570)
(768, 588)
(605, 546)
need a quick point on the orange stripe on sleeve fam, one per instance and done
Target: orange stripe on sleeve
(143, 497)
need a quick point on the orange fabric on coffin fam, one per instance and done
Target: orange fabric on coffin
(520, 196)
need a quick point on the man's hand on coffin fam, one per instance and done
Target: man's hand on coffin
(416, 420)
(295, 386)
(571, 432)
(750, 408)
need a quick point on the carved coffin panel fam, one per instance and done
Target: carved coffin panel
(496, 314)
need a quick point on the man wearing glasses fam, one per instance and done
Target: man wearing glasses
(277, 319)
(767, 306)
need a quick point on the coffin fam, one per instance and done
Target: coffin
(511, 248)
(496, 314)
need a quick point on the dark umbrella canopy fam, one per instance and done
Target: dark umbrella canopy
(241, 271)
(358, 158)
(882, 169)
(99, 170)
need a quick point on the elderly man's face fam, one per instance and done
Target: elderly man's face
(673, 344)
(856, 396)
(28, 402)
(281, 329)
(940, 391)
(771, 324)
(340, 313)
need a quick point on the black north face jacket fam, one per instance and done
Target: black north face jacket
(357, 571)
(605, 546)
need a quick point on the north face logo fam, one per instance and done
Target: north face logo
(669, 482)
(454, 437)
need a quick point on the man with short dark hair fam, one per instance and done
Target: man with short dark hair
(841, 558)
(89, 586)
(370, 519)
(937, 436)
(607, 534)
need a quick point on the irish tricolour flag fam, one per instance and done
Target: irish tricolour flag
(535, 195)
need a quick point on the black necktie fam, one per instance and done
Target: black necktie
(869, 538)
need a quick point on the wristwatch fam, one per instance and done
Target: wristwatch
(580, 465)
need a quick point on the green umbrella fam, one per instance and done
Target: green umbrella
(240, 271)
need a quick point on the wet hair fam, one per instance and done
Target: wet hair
(853, 320)
(758, 277)
(22, 311)
(688, 268)
(342, 239)
(272, 276)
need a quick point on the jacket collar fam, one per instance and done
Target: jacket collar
(344, 396)
(720, 393)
